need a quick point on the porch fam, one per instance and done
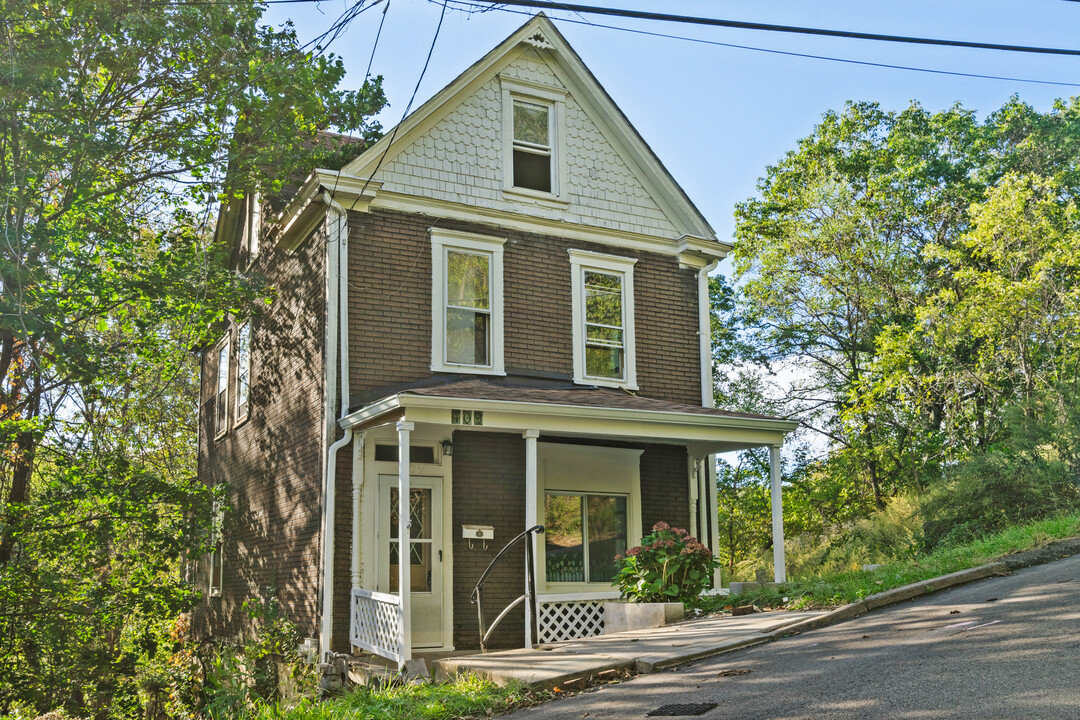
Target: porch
(461, 468)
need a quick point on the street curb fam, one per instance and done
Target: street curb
(894, 596)
(645, 665)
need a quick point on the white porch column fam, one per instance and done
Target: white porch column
(779, 571)
(531, 519)
(712, 493)
(357, 489)
(692, 465)
(404, 545)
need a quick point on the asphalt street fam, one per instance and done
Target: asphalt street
(1006, 647)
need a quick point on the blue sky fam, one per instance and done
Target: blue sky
(717, 116)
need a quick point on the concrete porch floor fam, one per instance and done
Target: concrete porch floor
(638, 650)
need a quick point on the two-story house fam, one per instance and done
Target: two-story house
(495, 317)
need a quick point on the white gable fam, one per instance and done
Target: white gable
(460, 159)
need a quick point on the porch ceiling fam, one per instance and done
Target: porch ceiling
(575, 411)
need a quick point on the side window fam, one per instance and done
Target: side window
(221, 390)
(243, 370)
(217, 565)
(532, 128)
(467, 302)
(603, 308)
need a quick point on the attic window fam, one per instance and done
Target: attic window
(532, 146)
(533, 130)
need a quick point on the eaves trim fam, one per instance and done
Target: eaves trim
(586, 412)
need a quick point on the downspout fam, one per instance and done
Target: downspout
(338, 336)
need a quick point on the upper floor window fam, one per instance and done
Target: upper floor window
(532, 127)
(243, 370)
(221, 390)
(532, 146)
(602, 296)
(467, 302)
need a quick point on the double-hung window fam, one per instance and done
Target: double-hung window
(602, 296)
(243, 370)
(467, 302)
(533, 115)
(221, 390)
(532, 145)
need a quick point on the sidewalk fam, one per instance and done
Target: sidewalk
(638, 650)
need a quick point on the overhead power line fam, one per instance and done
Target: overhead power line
(743, 25)
(461, 4)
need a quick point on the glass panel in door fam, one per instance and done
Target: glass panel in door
(420, 562)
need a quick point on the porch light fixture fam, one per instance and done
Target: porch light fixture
(447, 448)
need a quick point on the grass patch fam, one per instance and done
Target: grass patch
(466, 697)
(846, 587)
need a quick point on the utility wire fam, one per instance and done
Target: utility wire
(743, 25)
(405, 113)
(473, 4)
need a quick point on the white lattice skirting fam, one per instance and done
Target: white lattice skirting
(569, 620)
(376, 624)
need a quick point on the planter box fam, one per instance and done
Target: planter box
(623, 616)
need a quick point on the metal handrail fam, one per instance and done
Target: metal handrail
(530, 587)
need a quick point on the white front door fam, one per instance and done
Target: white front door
(425, 571)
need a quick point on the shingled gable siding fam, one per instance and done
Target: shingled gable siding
(390, 307)
(272, 461)
(489, 489)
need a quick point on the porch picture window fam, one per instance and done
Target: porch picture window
(583, 534)
(603, 308)
(221, 390)
(467, 303)
(243, 370)
(532, 145)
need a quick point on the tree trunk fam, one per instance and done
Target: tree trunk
(22, 467)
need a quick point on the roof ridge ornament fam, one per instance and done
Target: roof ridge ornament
(538, 40)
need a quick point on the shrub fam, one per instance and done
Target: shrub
(668, 566)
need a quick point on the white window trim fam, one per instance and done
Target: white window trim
(443, 240)
(554, 98)
(588, 469)
(580, 261)
(223, 427)
(242, 418)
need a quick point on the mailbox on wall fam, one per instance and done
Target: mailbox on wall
(483, 533)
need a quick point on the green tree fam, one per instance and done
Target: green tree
(856, 237)
(123, 126)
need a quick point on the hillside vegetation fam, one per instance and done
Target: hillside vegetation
(918, 274)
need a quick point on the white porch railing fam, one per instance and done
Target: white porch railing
(571, 616)
(375, 624)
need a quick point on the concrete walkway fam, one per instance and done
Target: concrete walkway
(639, 650)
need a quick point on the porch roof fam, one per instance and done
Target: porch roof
(574, 410)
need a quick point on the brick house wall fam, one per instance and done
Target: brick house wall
(390, 307)
(489, 489)
(273, 460)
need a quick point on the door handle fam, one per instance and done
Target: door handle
(440, 556)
